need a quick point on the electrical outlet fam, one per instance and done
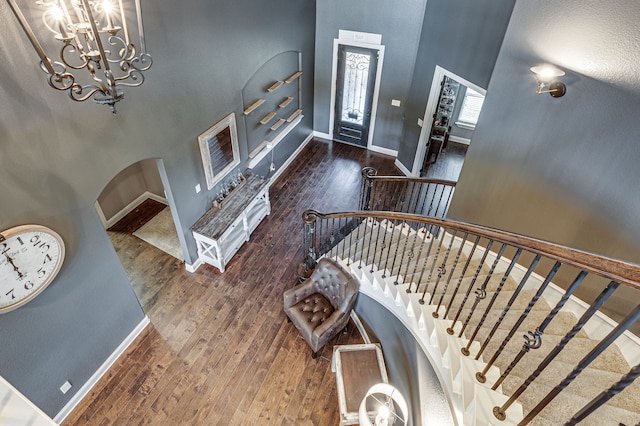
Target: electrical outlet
(395, 102)
(420, 122)
(65, 387)
(198, 189)
(272, 167)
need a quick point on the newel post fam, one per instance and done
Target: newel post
(367, 186)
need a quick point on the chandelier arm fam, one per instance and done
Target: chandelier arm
(96, 34)
(125, 25)
(134, 75)
(143, 45)
(46, 62)
(124, 49)
(76, 90)
(142, 62)
(61, 80)
(66, 63)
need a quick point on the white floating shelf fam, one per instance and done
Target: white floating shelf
(293, 77)
(294, 115)
(286, 102)
(253, 106)
(267, 118)
(278, 123)
(274, 86)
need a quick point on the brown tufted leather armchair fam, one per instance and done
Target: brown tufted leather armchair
(320, 307)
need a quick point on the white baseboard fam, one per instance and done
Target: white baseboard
(86, 388)
(383, 150)
(292, 157)
(322, 135)
(458, 139)
(193, 267)
(402, 168)
(108, 223)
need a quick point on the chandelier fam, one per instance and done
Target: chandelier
(94, 42)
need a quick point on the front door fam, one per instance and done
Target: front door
(357, 67)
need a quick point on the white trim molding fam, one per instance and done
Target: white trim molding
(86, 388)
(368, 41)
(383, 150)
(432, 104)
(458, 139)
(402, 168)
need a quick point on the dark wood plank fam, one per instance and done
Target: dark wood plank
(142, 214)
(219, 350)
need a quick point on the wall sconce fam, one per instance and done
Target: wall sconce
(546, 76)
(93, 36)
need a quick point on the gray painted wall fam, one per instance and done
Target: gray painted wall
(566, 169)
(56, 156)
(400, 23)
(462, 36)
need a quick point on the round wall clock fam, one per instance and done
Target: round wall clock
(31, 257)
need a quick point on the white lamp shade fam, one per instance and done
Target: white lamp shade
(546, 73)
(386, 410)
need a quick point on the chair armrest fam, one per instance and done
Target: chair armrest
(337, 319)
(297, 293)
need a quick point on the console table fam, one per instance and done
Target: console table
(357, 368)
(220, 232)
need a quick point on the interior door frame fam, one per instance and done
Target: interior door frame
(432, 104)
(368, 41)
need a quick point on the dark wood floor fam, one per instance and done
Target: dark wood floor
(219, 350)
(142, 214)
(449, 163)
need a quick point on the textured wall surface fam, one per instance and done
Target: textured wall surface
(56, 156)
(565, 169)
(462, 36)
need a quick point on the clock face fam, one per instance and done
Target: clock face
(30, 258)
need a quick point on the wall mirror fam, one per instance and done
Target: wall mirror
(219, 150)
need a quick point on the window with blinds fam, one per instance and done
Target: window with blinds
(471, 106)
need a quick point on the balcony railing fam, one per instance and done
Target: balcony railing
(488, 284)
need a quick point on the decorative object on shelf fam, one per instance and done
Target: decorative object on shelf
(293, 77)
(274, 86)
(219, 150)
(32, 256)
(546, 76)
(267, 118)
(253, 106)
(84, 28)
(392, 408)
(228, 189)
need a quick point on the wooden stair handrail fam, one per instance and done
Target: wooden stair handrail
(369, 174)
(627, 273)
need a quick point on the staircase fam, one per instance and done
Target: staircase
(511, 347)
